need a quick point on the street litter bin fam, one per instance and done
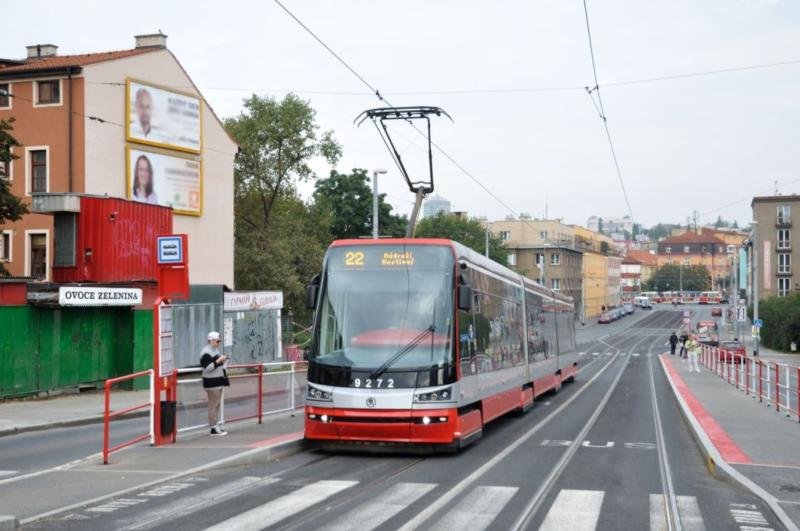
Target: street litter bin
(167, 417)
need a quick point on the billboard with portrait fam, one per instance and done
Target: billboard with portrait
(173, 180)
(162, 117)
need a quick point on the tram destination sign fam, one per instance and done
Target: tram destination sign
(98, 296)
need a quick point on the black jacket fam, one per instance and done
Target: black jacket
(673, 339)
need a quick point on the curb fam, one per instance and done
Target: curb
(8, 523)
(248, 457)
(715, 462)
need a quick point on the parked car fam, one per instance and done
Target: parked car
(628, 308)
(605, 318)
(735, 349)
(716, 312)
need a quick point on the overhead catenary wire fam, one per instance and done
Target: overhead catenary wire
(477, 90)
(596, 90)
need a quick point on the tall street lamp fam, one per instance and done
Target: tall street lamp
(375, 201)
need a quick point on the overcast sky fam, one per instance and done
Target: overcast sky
(705, 143)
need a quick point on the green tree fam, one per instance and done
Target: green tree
(277, 140)
(11, 207)
(278, 241)
(468, 231)
(670, 277)
(781, 316)
(347, 201)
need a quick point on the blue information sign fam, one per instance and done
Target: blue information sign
(758, 323)
(170, 250)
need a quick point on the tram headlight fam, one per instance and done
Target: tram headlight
(313, 393)
(440, 395)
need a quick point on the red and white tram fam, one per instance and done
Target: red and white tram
(710, 297)
(424, 341)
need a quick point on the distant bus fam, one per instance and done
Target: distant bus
(710, 297)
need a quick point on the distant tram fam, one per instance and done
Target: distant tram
(422, 342)
(710, 297)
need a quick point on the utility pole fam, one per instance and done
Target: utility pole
(754, 243)
(487, 239)
(375, 202)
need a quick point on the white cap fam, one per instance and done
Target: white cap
(213, 335)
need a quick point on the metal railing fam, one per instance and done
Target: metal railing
(773, 383)
(256, 390)
(109, 415)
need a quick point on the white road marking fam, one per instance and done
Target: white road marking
(165, 490)
(746, 514)
(588, 444)
(576, 510)
(281, 508)
(378, 510)
(115, 505)
(658, 513)
(477, 511)
(640, 445)
(206, 498)
(611, 354)
(595, 353)
(635, 354)
(689, 512)
(555, 442)
(4, 473)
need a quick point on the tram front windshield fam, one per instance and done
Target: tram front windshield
(386, 307)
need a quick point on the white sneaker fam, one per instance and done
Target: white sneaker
(218, 432)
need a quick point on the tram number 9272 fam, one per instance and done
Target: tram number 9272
(373, 383)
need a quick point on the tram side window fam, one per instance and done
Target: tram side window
(491, 334)
(549, 330)
(537, 344)
(566, 332)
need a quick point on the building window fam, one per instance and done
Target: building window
(38, 170)
(36, 259)
(504, 235)
(5, 95)
(686, 249)
(5, 246)
(784, 212)
(721, 249)
(555, 259)
(783, 238)
(669, 261)
(686, 261)
(784, 286)
(5, 170)
(731, 249)
(555, 283)
(784, 263)
(539, 259)
(668, 250)
(48, 92)
(512, 259)
(543, 235)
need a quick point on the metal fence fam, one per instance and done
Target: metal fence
(775, 384)
(257, 390)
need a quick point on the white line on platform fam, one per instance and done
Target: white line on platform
(281, 508)
(390, 502)
(576, 510)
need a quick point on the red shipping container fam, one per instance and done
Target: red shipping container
(114, 241)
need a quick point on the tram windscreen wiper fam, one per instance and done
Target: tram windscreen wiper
(403, 351)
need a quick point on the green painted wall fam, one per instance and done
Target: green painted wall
(61, 348)
(142, 358)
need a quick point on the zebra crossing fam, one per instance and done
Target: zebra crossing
(577, 510)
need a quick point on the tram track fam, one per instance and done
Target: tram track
(534, 505)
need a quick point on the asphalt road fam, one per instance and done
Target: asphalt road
(609, 451)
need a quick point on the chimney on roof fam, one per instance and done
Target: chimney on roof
(36, 51)
(151, 40)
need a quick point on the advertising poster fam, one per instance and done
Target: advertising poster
(161, 117)
(167, 180)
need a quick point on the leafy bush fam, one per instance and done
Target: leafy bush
(781, 316)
